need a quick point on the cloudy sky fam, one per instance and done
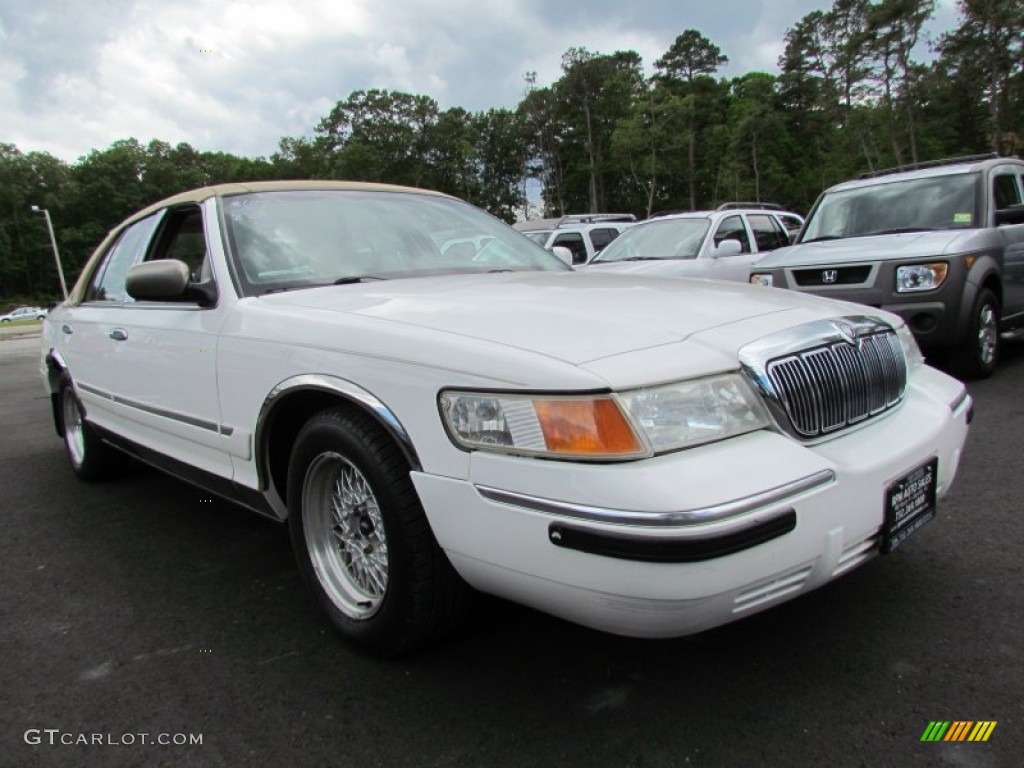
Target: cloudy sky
(237, 75)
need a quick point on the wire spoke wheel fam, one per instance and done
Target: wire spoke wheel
(90, 458)
(345, 535)
(362, 540)
(74, 430)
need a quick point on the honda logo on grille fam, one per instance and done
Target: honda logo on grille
(829, 276)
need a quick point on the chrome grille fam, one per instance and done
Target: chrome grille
(837, 385)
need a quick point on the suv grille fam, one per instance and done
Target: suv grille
(827, 388)
(832, 276)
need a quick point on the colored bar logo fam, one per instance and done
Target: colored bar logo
(958, 730)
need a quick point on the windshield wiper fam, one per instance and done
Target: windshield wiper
(284, 288)
(645, 258)
(348, 279)
(822, 239)
(899, 231)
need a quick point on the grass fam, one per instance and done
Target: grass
(19, 323)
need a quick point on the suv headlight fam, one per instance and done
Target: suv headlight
(761, 278)
(920, 277)
(629, 425)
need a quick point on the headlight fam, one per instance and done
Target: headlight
(689, 413)
(633, 424)
(584, 426)
(910, 348)
(920, 277)
(760, 278)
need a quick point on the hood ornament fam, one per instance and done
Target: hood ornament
(847, 331)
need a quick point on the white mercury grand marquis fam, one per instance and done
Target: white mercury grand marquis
(647, 457)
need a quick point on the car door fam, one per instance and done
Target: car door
(1007, 189)
(735, 266)
(84, 340)
(768, 232)
(158, 369)
(574, 242)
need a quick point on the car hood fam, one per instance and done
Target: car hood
(570, 316)
(859, 249)
(653, 267)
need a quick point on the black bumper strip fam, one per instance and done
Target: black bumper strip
(651, 549)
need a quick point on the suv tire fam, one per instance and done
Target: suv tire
(978, 356)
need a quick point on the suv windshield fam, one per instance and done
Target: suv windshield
(295, 239)
(915, 205)
(656, 240)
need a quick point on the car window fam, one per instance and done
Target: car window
(1004, 186)
(791, 223)
(732, 228)
(182, 238)
(574, 242)
(768, 233)
(599, 238)
(108, 280)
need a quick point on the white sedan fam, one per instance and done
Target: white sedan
(23, 313)
(691, 454)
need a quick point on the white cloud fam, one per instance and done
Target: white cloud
(237, 75)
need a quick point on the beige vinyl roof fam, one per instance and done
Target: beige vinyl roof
(222, 190)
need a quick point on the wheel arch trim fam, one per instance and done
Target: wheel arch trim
(331, 385)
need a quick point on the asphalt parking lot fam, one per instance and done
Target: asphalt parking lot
(141, 606)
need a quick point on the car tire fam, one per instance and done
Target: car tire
(362, 540)
(90, 458)
(978, 356)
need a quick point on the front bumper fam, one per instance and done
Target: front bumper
(933, 316)
(819, 508)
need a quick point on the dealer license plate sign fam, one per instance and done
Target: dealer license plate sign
(909, 504)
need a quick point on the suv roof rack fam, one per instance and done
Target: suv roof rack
(930, 164)
(758, 206)
(590, 218)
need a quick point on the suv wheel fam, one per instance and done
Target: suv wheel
(978, 357)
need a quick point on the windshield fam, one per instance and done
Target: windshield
(656, 240)
(294, 239)
(916, 205)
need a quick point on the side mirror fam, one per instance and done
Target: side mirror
(167, 280)
(1012, 215)
(563, 253)
(727, 248)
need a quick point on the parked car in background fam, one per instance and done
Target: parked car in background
(23, 313)
(584, 235)
(720, 244)
(690, 454)
(939, 243)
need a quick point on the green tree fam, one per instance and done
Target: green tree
(988, 48)
(593, 94)
(691, 56)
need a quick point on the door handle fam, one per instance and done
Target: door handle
(67, 329)
(118, 334)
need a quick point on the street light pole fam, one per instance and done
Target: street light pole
(53, 242)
